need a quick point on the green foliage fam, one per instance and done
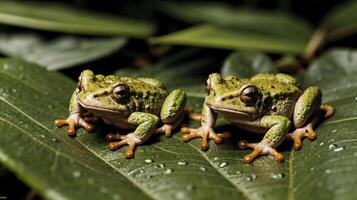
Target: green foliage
(56, 17)
(58, 53)
(84, 168)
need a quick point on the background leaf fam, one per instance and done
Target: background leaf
(233, 28)
(341, 21)
(213, 36)
(59, 53)
(57, 17)
(245, 64)
(37, 151)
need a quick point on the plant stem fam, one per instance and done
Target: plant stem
(316, 42)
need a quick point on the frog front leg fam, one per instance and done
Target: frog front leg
(307, 113)
(172, 112)
(277, 126)
(206, 131)
(146, 124)
(76, 118)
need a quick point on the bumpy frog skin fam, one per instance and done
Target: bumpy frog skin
(272, 104)
(141, 104)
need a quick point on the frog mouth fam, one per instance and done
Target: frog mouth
(233, 111)
(91, 107)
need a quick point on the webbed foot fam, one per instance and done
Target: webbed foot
(130, 139)
(206, 135)
(300, 133)
(259, 149)
(74, 121)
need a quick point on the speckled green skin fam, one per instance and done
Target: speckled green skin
(146, 104)
(280, 105)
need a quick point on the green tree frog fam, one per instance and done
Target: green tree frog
(272, 104)
(141, 104)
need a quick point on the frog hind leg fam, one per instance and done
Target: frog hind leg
(146, 124)
(277, 126)
(308, 111)
(172, 112)
(76, 118)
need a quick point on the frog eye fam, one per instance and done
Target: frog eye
(249, 95)
(120, 91)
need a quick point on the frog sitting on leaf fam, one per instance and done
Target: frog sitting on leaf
(272, 104)
(141, 104)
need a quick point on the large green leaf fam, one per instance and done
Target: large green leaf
(58, 53)
(246, 64)
(60, 167)
(62, 18)
(214, 36)
(341, 21)
(254, 20)
(234, 28)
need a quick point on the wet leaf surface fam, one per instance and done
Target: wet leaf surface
(60, 167)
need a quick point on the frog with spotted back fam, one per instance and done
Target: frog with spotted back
(272, 104)
(141, 104)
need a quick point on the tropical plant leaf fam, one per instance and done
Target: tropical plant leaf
(60, 167)
(245, 64)
(57, 17)
(235, 28)
(214, 36)
(58, 53)
(341, 21)
(253, 20)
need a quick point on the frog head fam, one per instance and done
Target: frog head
(234, 97)
(103, 93)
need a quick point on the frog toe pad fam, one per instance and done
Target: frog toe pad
(205, 134)
(259, 149)
(74, 121)
(130, 139)
(299, 134)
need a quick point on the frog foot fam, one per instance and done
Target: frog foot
(130, 139)
(300, 133)
(192, 115)
(165, 129)
(259, 149)
(205, 134)
(74, 121)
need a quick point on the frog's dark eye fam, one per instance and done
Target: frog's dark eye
(249, 95)
(120, 91)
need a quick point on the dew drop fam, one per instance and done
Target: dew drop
(54, 139)
(161, 165)
(331, 140)
(168, 171)
(141, 171)
(356, 98)
(251, 177)
(222, 164)
(116, 197)
(332, 147)
(334, 131)
(277, 176)
(312, 169)
(239, 172)
(215, 158)
(190, 187)
(43, 136)
(321, 143)
(76, 174)
(203, 169)
(338, 149)
(103, 190)
(328, 171)
(182, 163)
(148, 161)
(180, 195)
